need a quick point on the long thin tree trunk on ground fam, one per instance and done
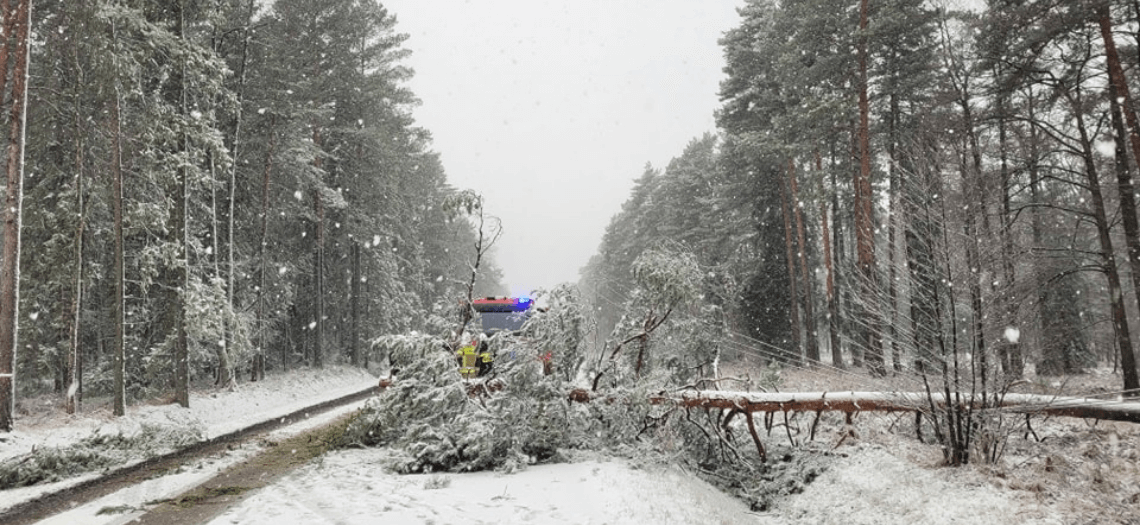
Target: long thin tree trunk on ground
(14, 166)
(809, 402)
(812, 347)
(864, 212)
(1120, 90)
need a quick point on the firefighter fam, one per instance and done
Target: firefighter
(474, 363)
(468, 361)
(485, 363)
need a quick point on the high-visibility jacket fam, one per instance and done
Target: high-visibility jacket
(473, 363)
(468, 362)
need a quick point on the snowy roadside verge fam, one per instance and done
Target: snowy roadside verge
(212, 413)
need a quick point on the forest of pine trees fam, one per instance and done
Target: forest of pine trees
(214, 189)
(906, 186)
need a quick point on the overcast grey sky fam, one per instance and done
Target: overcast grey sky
(550, 109)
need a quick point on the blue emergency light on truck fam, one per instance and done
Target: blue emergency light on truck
(503, 313)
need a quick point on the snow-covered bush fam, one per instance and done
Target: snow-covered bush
(99, 451)
(436, 421)
(558, 333)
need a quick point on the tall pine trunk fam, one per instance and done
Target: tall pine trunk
(1013, 363)
(793, 289)
(19, 20)
(864, 213)
(973, 178)
(354, 344)
(257, 371)
(1119, 89)
(180, 278)
(832, 302)
(812, 347)
(118, 308)
(892, 231)
(72, 378)
(1104, 235)
(318, 264)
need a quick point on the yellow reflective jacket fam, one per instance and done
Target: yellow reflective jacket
(469, 361)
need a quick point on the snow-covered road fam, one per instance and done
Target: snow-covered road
(350, 487)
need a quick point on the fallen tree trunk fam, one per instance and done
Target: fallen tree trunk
(1035, 404)
(1087, 408)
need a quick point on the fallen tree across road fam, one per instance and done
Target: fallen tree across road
(1088, 408)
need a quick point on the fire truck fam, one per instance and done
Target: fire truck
(496, 314)
(503, 313)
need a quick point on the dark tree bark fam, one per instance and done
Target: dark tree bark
(180, 274)
(257, 370)
(354, 344)
(832, 302)
(812, 347)
(72, 378)
(1116, 295)
(118, 308)
(319, 280)
(974, 179)
(892, 231)
(864, 212)
(17, 21)
(793, 289)
(1119, 89)
(1013, 362)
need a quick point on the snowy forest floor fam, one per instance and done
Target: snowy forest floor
(1081, 472)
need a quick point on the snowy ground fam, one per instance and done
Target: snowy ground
(349, 488)
(43, 423)
(1082, 473)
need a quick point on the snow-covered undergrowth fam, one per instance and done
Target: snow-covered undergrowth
(48, 445)
(94, 452)
(433, 423)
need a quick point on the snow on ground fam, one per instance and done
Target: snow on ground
(131, 502)
(873, 486)
(350, 487)
(212, 412)
(887, 478)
